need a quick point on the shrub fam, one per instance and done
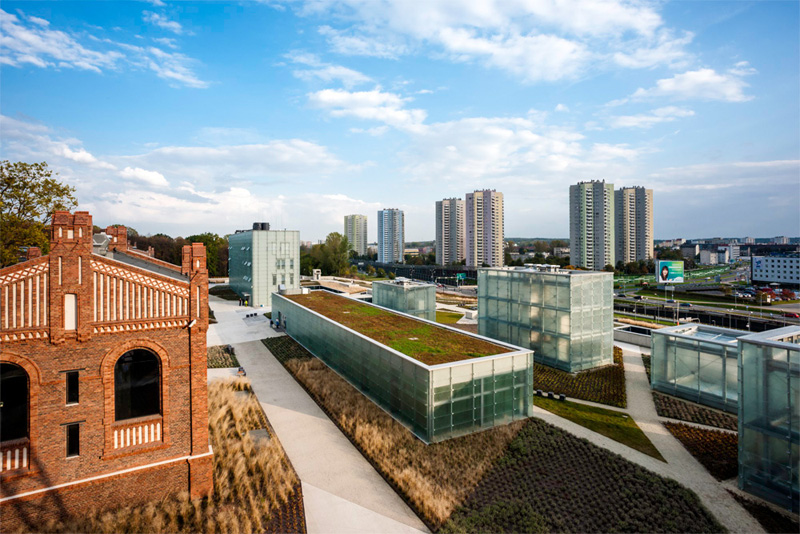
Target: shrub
(718, 451)
(605, 385)
(221, 356)
(675, 408)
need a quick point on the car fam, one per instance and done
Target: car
(671, 301)
(686, 304)
(792, 315)
(638, 297)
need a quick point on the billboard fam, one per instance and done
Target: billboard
(669, 272)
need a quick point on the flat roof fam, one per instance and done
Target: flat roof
(536, 269)
(421, 340)
(722, 336)
(788, 336)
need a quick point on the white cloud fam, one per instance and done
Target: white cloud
(31, 42)
(542, 40)
(561, 107)
(369, 105)
(162, 22)
(166, 41)
(325, 72)
(701, 84)
(151, 178)
(36, 44)
(157, 3)
(647, 120)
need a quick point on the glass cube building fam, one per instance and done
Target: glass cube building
(769, 416)
(698, 363)
(566, 317)
(406, 296)
(435, 402)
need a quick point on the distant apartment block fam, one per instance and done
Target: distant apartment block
(690, 251)
(391, 236)
(355, 229)
(566, 317)
(781, 240)
(591, 225)
(260, 260)
(484, 228)
(776, 269)
(749, 241)
(450, 231)
(633, 228)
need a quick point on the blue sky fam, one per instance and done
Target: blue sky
(183, 117)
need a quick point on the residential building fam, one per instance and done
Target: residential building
(484, 228)
(769, 416)
(261, 260)
(103, 399)
(355, 230)
(406, 296)
(450, 231)
(784, 269)
(733, 251)
(633, 214)
(591, 225)
(566, 317)
(561, 252)
(749, 241)
(690, 252)
(391, 236)
(781, 240)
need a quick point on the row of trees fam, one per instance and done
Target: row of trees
(332, 257)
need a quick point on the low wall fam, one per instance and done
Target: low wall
(634, 335)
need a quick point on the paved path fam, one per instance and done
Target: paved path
(232, 324)
(342, 491)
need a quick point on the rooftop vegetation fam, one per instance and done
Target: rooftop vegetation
(422, 341)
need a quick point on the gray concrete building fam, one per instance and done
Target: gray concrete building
(591, 225)
(484, 228)
(450, 231)
(633, 227)
(260, 260)
(355, 230)
(391, 236)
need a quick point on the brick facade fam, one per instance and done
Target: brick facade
(74, 310)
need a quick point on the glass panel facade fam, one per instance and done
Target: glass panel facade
(769, 416)
(434, 402)
(697, 363)
(566, 317)
(412, 298)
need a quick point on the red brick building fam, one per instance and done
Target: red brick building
(103, 371)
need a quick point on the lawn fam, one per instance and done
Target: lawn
(718, 451)
(525, 477)
(610, 423)
(255, 486)
(446, 317)
(422, 341)
(605, 385)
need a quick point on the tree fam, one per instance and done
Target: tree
(370, 270)
(29, 196)
(392, 276)
(335, 254)
(216, 252)
(609, 268)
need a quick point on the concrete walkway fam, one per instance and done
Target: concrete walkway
(233, 325)
(342, 491)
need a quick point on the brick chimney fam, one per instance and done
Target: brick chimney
(119, 238)
(33, 253)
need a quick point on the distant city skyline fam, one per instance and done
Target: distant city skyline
(187, 117)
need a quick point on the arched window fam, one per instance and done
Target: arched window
(13, 402)
(137, 384)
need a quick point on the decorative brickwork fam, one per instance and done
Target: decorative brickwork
(73, 311)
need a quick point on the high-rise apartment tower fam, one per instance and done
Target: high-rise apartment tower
(484, 232)
(633, 214)
(450, 231)
(391, 236)
(355, 229)
(591, 225)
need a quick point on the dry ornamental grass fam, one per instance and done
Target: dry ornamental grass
(255, 486)
(221, 356)
(433, 478)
